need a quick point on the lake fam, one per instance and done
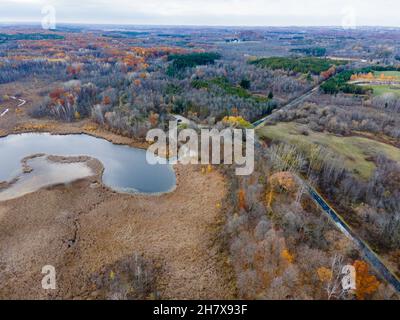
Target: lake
(125, 168)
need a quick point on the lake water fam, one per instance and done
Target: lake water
(125, 168)
(45, 173)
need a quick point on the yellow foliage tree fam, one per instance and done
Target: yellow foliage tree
(236, 122)
(112, 275)
(324, 274)
(270, 197)
(286, 255)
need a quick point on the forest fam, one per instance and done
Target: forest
(314, 51)
(299, 65)
(339, 137)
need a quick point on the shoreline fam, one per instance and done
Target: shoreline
(82, 127)
(94, 174)
(86, 226)
(89, 128)
(93, 163)
(82, 226)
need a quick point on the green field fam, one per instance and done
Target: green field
(354, 150)
(380, 90)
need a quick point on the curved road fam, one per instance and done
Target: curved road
(21, 103)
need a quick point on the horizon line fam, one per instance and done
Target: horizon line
(22, 22)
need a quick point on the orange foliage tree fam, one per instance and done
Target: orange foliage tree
(56, 94)
(324, 274)
(365, 282)
(328, 73)
(287, 256)
(106, 100)
(242, 199)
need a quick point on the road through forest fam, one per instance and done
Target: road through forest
(364, 248)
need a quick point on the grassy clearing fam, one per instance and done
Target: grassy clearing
(380, 90)
(388, 73)
(354, 150)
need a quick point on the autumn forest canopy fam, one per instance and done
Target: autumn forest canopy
(325, 106)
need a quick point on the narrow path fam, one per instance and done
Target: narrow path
(4, 112)
(21, 101)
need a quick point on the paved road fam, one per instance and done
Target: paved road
(4, 112)
(375, 261)
(183, 120)
(21, 103)
(290, 104)
(368, 253)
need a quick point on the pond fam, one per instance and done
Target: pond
(43, 173)
(125, 168)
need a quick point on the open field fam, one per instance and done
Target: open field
(385, 88)
(395, 74)
(381, 82)
(355, 150)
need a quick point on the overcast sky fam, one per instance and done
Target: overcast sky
(209, 12)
